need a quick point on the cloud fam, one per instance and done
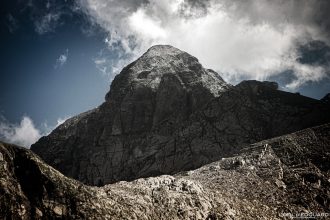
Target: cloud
(47, 23)
(48, 15)
(60, 121)
(110, 62)
(239, 39)
(62, 59)
(23, 134)
(102, 64)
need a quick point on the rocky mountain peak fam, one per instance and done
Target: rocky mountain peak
(166, 113)
(166, 58)
(166, 64)
(160, 89)
(162, 50)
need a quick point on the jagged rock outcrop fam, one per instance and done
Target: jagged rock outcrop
(273, 179)
(165, 113)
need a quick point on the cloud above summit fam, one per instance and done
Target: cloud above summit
(240, 39)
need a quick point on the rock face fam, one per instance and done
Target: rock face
(326, 99)
(165, 113)
(273, 179)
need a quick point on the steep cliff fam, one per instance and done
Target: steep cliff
(165, 113)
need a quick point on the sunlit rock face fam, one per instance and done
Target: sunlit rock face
(272, 179)
(164, 114)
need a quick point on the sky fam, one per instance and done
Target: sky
(58, 57)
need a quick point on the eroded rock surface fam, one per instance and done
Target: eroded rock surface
(272, 179)
(165, 113)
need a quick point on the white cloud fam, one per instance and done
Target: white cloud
(62, 59)
(23, 134)
(107, 64)
(101, 64)
(306, 73)
(240, 39)
(60, 121)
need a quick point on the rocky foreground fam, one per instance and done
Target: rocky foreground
(272, 179)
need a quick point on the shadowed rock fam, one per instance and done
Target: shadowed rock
(272, 179)
(164, 114)
(326, 99)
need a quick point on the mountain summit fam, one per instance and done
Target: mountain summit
(164, 114)
(162, 61)
(165, 85)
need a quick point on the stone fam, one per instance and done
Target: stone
(326, 99)
(165, 113)
(223, 189)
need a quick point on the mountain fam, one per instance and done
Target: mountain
(326, 99)
(164, 114)
(273, 179)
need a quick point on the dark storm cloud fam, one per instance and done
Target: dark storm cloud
(322, 17)
(314, 53)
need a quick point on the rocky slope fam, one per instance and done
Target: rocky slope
(326, 99)
(166, 113)
(272, 179)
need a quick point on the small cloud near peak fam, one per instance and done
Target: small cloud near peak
(62, 59)
(24, 134)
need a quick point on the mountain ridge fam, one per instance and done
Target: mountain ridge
(165, 113)
(272, 179)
